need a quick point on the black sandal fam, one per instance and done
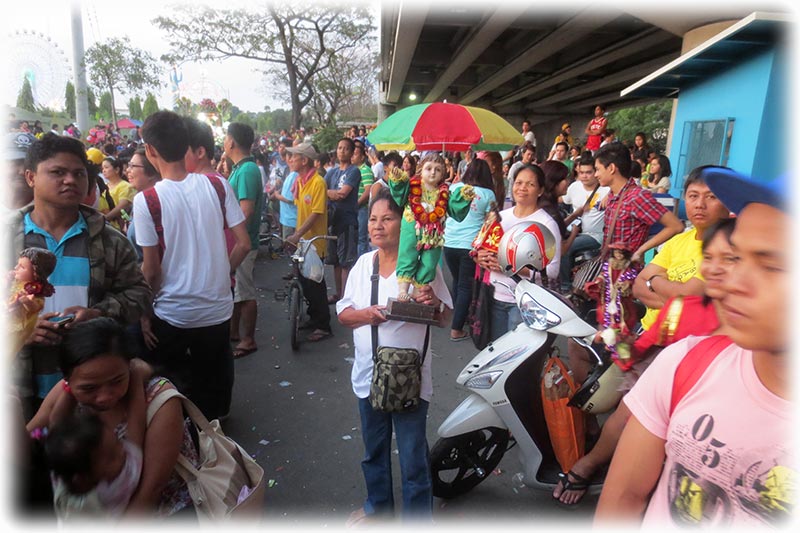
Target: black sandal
(580, 484)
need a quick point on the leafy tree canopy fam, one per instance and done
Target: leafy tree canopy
(150, 105)
(651, 119)
(25, 96)
(69, 100)
(117, 66)
(293, 41)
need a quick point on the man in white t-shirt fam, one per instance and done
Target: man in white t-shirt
(190, 334)
(527, 133)
(376, 160)
(528, 155)
(586, 227)
(721, 454)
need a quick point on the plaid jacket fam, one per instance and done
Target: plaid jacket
(116, 287)
(638, 212)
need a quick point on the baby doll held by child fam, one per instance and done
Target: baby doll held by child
(427, 202)
(28, 289)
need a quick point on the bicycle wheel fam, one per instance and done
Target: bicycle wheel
(294, 316)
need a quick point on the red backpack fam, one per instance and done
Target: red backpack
(154, 205)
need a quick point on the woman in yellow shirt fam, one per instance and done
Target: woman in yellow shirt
(121, 191)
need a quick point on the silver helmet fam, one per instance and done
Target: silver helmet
(527, 244)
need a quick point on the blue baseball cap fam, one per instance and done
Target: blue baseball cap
(737, 191)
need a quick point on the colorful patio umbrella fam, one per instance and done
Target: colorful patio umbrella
(445, 127)
(128, 123)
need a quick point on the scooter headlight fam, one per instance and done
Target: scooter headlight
(484, 381)
(536, 315)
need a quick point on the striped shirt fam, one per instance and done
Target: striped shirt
(70, 278)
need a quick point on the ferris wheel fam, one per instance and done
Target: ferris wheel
(36, 57)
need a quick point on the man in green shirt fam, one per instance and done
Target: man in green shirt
(367, 179)
(245, 179)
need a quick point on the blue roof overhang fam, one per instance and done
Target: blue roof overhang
(750, 36)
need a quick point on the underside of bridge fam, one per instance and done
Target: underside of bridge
(530, 60)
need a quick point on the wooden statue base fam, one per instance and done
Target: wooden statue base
(411, 311)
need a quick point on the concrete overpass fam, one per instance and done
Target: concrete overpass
(529, 60)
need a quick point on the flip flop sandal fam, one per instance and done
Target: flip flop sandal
(462, 338)
(319, 334)
(580, 484)
(238, 353)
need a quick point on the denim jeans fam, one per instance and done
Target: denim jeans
(505, 317)
(462, 268)
(363, 235)
(409, 428)
(582, 243)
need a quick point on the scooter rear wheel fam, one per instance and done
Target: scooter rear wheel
(459, 464)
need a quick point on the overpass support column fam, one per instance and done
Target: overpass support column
(384, 110)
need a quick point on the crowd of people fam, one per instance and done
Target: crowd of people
(155, 239)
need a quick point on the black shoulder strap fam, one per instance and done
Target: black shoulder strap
(589, 199)
(374, 301)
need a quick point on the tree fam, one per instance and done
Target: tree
(184, 106)
(294, 42)
(116, 66)
(25, 97)
(150, 105)
(105, 110)
(652, 119)
(135, 108)
(91, 102)
(225, 108)
(348, 86)
(69, 100)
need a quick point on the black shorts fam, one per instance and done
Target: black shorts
(343, 252)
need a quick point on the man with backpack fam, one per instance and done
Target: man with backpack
(709, 439)
(180, 226)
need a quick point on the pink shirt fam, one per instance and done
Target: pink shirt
(729, 454)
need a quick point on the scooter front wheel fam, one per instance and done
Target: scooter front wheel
(460, 463)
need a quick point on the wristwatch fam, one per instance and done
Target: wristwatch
(649, 282)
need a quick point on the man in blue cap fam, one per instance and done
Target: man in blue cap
(709, 439)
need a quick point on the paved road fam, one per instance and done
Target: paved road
(296, 413)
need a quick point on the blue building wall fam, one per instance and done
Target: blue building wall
(750, 93)
(770, 162)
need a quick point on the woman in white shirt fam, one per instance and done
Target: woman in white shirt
(660, 171)
(356, 311)
(527, 191)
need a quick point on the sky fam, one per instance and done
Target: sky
(237, 79)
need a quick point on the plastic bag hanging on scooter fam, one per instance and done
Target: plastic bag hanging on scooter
(564, 423)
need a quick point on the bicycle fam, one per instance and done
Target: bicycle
(267, 237)
(295, 291)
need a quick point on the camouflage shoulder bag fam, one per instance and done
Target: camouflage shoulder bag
(396, 372)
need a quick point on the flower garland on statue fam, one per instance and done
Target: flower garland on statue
(612, 313)
(429, 225)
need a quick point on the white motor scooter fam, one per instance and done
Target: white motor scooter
(504, 381)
